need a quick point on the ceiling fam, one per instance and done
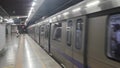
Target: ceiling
(48, 7)
(16, 7)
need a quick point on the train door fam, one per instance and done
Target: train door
(57, 38)
(39, 34)
(42, 36)
(68, 30)
(35, 33)
(49, 37)
(78, 42)
(96, 43)
(47, 32)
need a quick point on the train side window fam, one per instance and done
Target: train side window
(113, 39)
(42, 29)
(57, 31)
(78, 32)
(46, 32)
(69, 32)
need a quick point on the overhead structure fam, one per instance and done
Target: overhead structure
(3, 13)
(35, 9)
(49, 7)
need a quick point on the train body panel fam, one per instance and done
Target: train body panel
(37, 34)
(46, 40)
(42, 36)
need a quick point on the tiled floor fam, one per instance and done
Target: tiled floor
(23, 52)
(7, 60)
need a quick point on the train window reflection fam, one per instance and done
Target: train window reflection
(57, 31)
(69, 32)
(47, 32)
(42, 29)
(78, 36)
(113, 49)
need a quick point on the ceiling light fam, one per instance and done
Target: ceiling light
(54, 18)
(31, 8)
(59, 16)
(33, 4)
(6, 19)
(76, 10)
(50, 20)
(18, 17)
(11, 20)
(93, 3)
(66, 13)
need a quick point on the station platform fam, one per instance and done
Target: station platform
(23, 52)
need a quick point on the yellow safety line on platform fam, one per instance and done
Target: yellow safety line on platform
(19, 58)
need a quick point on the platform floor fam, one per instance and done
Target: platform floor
(23, 52)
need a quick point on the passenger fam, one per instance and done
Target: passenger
(17, 31)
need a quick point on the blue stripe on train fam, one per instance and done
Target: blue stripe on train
(72, 60)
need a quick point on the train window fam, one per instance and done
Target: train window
(47, 32)
(113, 46)
(69, 32)
(57, 31)
(78, 36)
(42, 29)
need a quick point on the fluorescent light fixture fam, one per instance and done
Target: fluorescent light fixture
(10, 20)
(18, 17)
(59, 16)
(76, 10)
(6, 19)
(93, 3)
(13, 24)
(30, 12)
(33, 4)
(54, 18)
(50, 20)
(66, 13)
(31, 8)
(56, 23)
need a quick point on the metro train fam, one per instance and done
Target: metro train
(85, 35)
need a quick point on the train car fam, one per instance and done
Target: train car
(85, 35)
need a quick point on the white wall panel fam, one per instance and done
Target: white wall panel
(2, 36)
